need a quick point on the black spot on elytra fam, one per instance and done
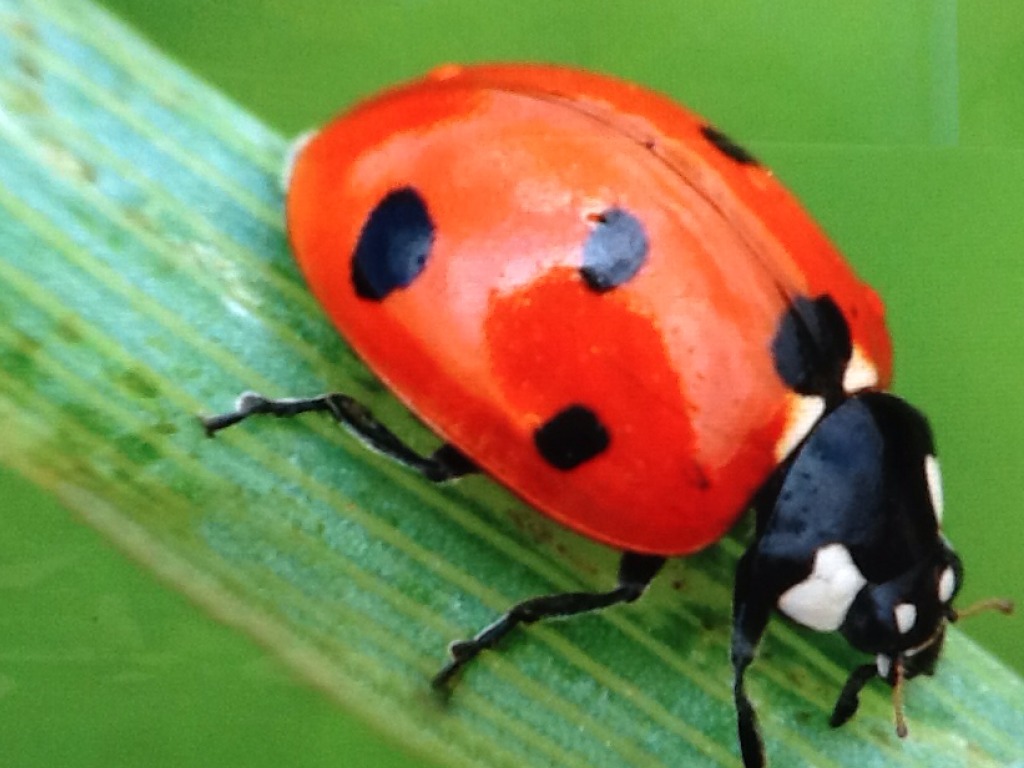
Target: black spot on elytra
(570, 437)
(812, 347)
(394, 245)
(727, 146)
(614, 251)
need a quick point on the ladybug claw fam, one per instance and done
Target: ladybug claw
(461, 651)
(441, 680)
(247, 404)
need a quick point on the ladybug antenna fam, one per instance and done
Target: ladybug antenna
(1001, 604)
(897, 699)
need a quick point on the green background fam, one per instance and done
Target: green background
(901, 129)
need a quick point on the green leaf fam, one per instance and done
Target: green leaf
(145, 278)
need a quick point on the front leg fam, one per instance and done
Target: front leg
(751, 612)
(849, 698)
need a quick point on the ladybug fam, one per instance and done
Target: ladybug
(606, 304)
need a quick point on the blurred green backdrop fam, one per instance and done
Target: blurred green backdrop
(901, 126)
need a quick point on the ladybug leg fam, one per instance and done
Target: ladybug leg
(751, 611)
(446, 463)
(849, 698)
(635, 574)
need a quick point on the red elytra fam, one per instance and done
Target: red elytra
(499, 333)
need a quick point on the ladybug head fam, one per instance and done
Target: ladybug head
(906, 616)
(850, 539)
(903, 622)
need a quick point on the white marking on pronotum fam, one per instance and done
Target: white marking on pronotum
(823, 598)
(294, 150)
(906, 615)
(934, 477)
(802, 413)
(860, 372)
(947, 585)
